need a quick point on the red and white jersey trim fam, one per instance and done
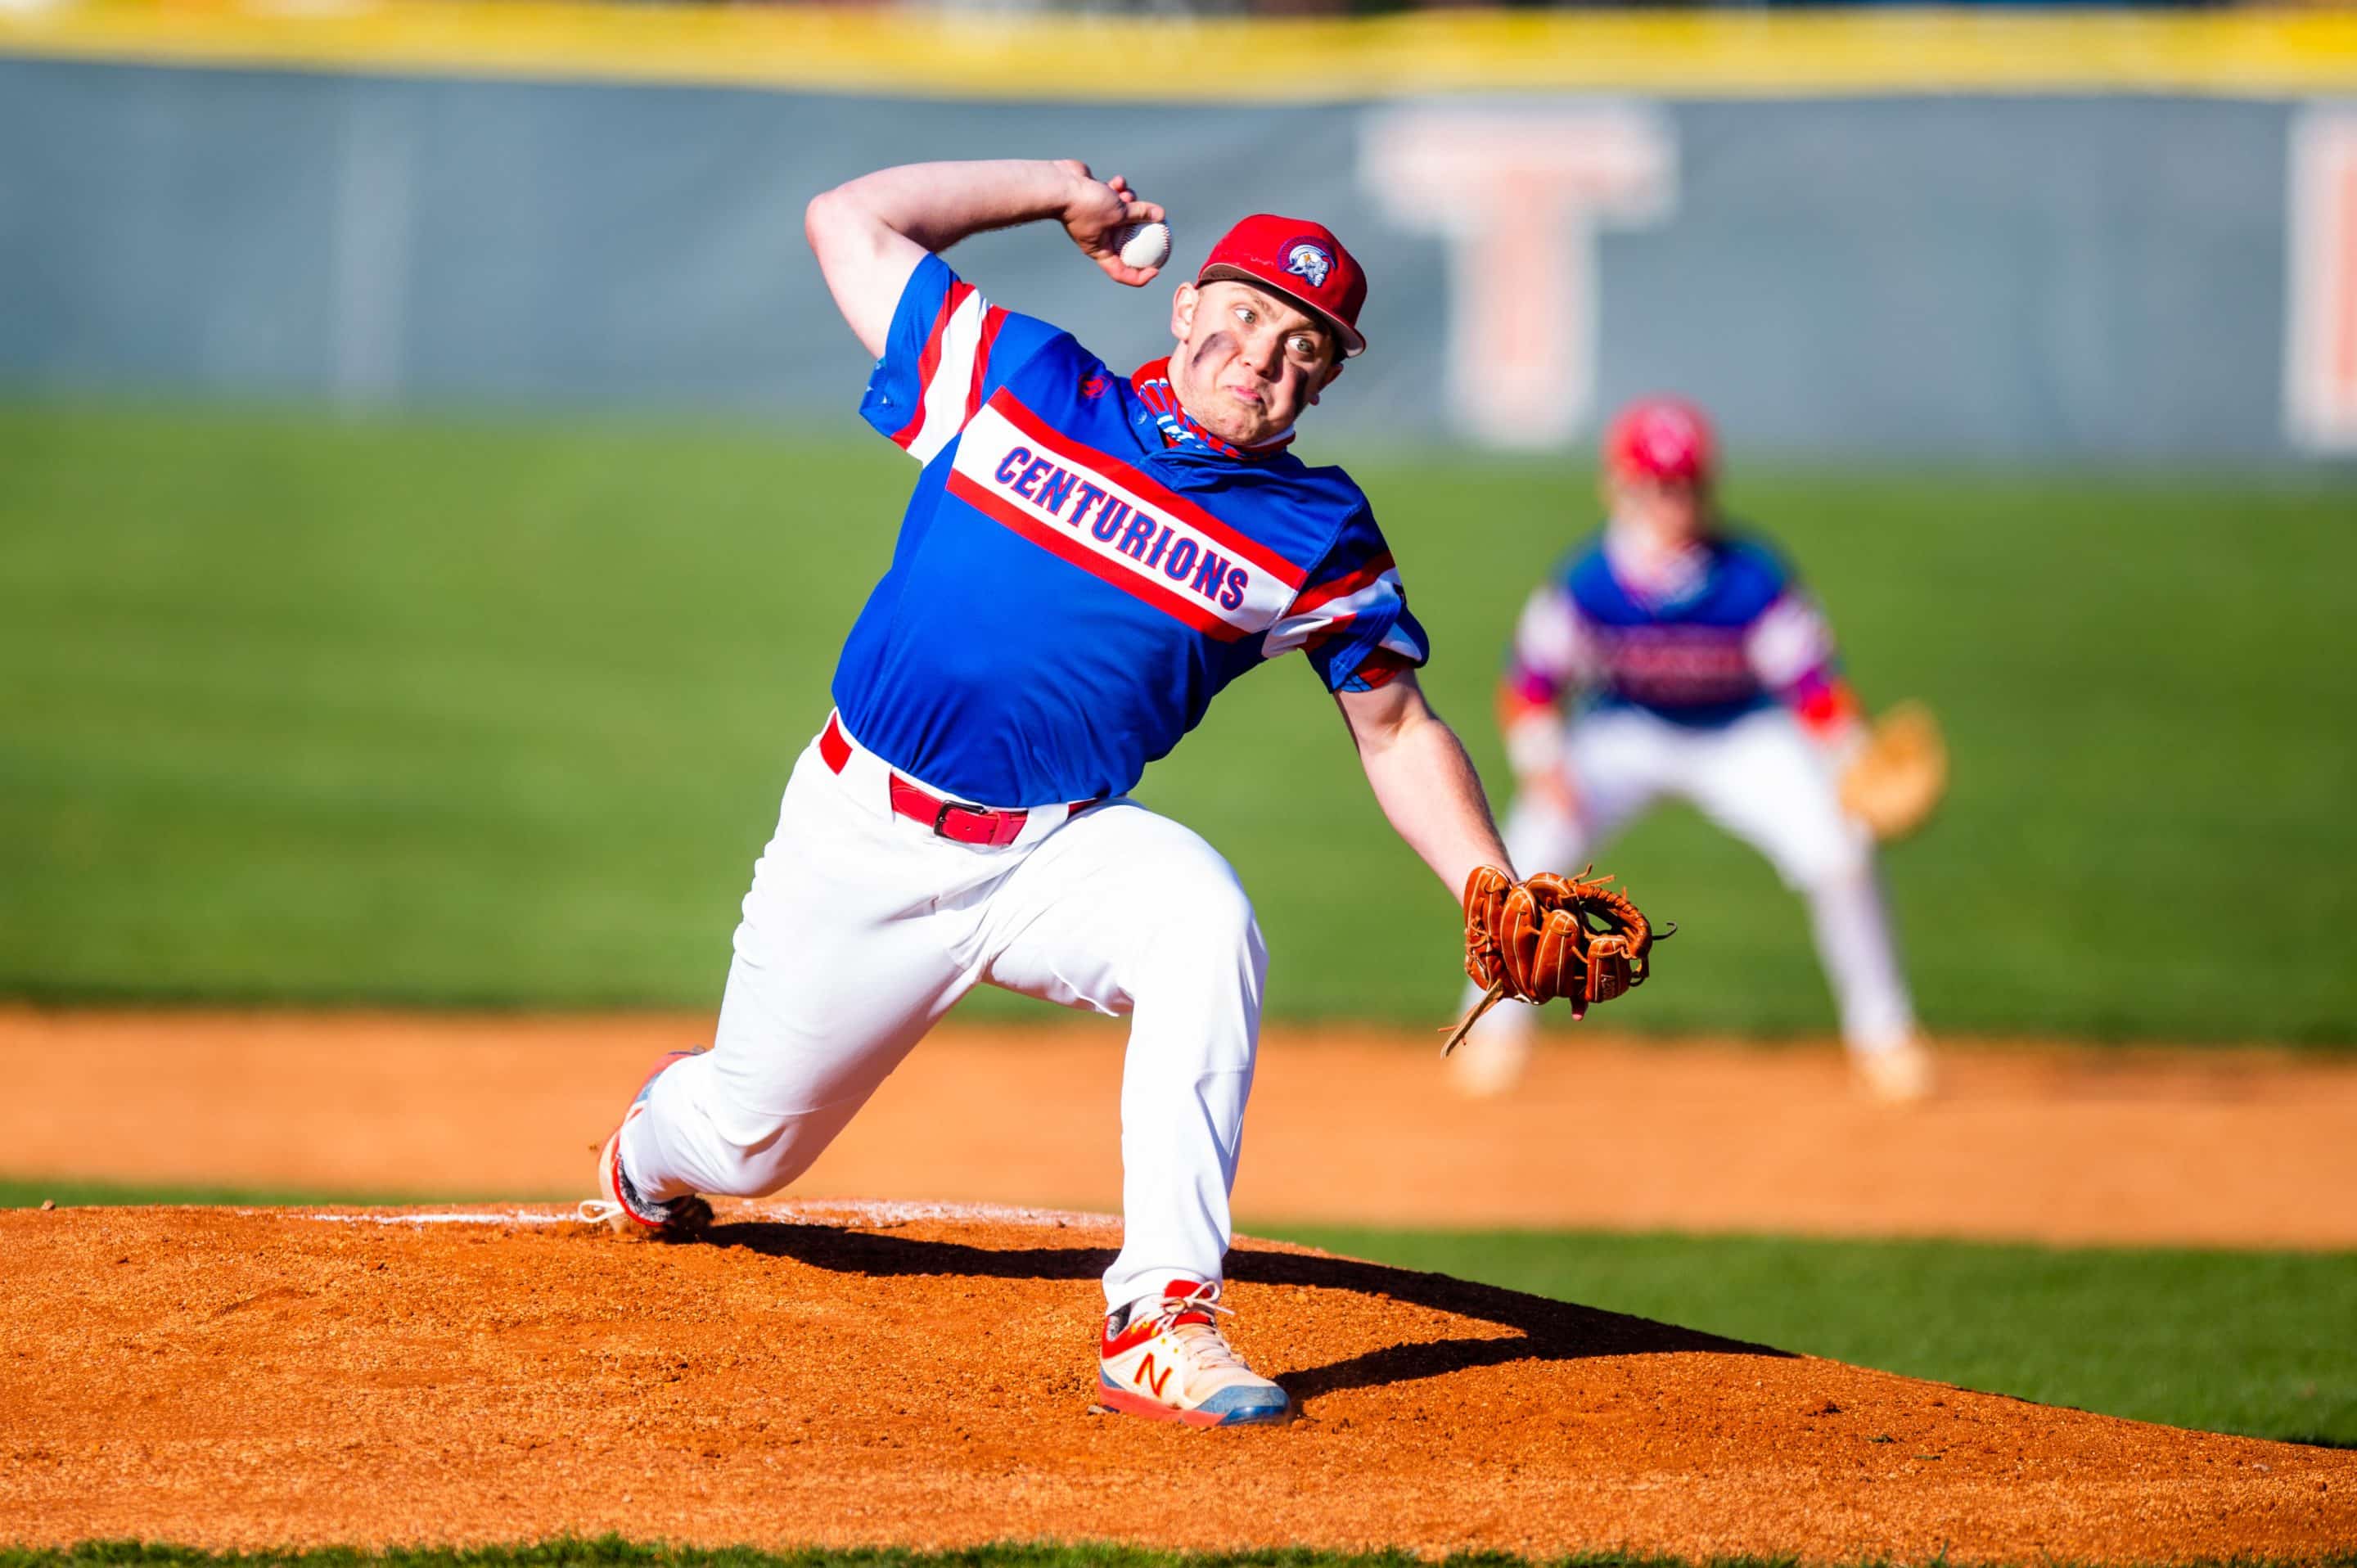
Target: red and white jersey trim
(1327, 609)
(950, 374)
(1108, 519)
(1789, 642)
(1549, 641)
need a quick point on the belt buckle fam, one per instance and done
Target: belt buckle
(983, 813)
(994, 824)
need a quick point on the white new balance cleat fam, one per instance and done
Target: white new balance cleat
(1165, 1359)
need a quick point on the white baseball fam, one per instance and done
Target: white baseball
(1145, 245)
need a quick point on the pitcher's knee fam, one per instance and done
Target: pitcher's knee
(1204, 943)
(1211, 921)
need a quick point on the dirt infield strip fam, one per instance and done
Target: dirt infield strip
(847, 1376)
(2245, 1147)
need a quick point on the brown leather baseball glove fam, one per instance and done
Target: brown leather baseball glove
(1550, 937)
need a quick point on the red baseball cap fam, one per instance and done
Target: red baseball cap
(1662, 438)
(1300, 260)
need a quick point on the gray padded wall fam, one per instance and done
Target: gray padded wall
(1977, 278)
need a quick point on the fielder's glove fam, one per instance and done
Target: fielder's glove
(1552, 937)
(1898, 774)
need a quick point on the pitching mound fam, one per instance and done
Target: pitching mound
(845, 1374)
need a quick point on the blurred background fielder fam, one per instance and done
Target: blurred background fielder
(1700, 670)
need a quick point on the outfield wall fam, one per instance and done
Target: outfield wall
(2138, 266)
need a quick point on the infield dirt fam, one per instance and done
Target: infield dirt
(909, 1373)
(2070, 1144)
(845, 1374)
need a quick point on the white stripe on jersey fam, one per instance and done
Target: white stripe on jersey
(945, 394)
(1398, 641)
(1789, 639)
(1294, 630)
(1547, 640)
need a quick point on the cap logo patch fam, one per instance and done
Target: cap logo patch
(1308, 259)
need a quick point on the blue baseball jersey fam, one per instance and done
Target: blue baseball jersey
(1703, 639)
(1078, 572)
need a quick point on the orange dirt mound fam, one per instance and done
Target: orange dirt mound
(849, 1374)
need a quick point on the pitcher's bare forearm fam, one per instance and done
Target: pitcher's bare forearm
(869, 233)
(1423, 782)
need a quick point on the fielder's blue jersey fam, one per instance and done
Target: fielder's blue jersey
(1717, 633)
(1078, 573)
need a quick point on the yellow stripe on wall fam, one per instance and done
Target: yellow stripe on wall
(2261, 54)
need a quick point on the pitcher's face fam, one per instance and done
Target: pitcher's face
(1249, 363)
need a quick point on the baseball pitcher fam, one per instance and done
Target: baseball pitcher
(1700, 670)
(1089, 557)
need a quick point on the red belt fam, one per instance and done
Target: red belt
(949, 819)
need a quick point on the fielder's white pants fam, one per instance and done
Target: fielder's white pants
(863, 928)
(1763, 781)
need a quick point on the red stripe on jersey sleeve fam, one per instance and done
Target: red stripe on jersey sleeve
(1343, 587)
(1823, 702)
(1529, 689)
(992, 320)
(1326, 632)
(931, 360)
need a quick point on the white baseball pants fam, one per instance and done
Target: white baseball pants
(863, 928)
(1763, 781)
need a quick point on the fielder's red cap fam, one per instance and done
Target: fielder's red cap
(1661, 438)
(1300, 260)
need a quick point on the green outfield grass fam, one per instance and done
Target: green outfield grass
(2256, 1343)
(16, 1192)
(498, 713)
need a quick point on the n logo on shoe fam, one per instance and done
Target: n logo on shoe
(1149, 1377)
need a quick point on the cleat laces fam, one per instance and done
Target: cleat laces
(1201, 1340)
